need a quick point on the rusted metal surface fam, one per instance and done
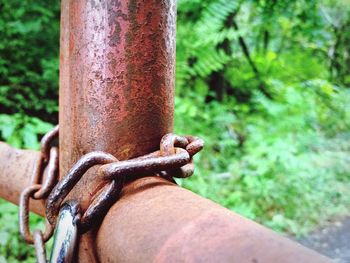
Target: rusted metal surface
(116, 78)
(115, 173)
(16, 170)
(116, 96)
(24, 230)
(116, 84)
(157, 221)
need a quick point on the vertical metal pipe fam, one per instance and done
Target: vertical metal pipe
(116, 82)
(117, 76)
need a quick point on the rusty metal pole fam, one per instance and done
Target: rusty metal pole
(116, 79)
(116, 83)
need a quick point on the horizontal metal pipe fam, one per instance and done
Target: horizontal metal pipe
(16, 168)
(157, 221)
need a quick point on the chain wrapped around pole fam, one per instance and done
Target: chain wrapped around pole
(174, 159)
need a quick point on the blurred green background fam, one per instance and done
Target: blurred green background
(265, 83)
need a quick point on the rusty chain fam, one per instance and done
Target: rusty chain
(63, 188)
(173, 159)
(48, 159)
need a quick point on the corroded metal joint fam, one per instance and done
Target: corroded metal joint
(166, 162)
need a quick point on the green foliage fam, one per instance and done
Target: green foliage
(22, 131)
(12, 248)
(29, 57)
(283, 162)
(292, 170)
(196, 50)
(245, 41)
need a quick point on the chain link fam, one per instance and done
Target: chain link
(48, 159)
(192, 145)
(63, 188)
(39, 245)
(173, 159)
(45, 148)
(51, 176)
(24, 216)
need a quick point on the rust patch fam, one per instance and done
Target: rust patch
(114, 13)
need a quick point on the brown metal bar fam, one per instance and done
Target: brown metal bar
(156, 221)
(16, 170)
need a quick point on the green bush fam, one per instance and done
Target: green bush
(286, 165)
(29, 33)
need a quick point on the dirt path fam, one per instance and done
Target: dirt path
(332, 241)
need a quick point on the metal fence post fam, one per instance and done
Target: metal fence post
(116, 81)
